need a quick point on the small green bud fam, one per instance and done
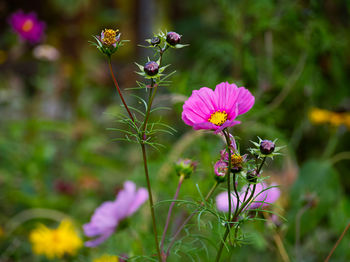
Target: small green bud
(185, 167)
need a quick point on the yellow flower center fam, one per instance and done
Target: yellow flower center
(236, 160)
(218, 118)
(28, 25)
(109, 36)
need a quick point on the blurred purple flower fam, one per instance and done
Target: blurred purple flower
(27, 26)
(107, 216)
(263, 197)
(218, 109)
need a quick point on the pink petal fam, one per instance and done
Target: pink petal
(245, 101)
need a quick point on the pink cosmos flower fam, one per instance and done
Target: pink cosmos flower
(107, 216)
(27, 26)
(263, 197)
(218, 109)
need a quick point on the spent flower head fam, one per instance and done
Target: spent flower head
(108, 42)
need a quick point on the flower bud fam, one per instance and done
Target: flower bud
(267, 147)
(151, 68)
(173, 38)
(251, 176)
(185, 167)
(220, 170)
(155, 41)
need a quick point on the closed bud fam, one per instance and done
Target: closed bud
(185, 167)
(251, 176)
(155, 41)
(267, 147)
(151, 68)
(173, 38)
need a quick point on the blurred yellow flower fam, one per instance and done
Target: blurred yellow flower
(55, 242)
(107, 258)
(319, 116)
(336, 119)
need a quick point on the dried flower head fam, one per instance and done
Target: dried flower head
(110, 37)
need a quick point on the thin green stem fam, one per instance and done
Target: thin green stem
(227, 231)
(182, 177)
(236, 192)
(211, 191)
(143, 137)
(143, 147)
(228, 172)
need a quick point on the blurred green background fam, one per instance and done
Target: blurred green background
(56, 152)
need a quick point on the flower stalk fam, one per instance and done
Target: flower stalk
(181, 179)
(211, 191)
(118, 89)
(244, 204)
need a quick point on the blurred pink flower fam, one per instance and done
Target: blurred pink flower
(107, 216)
(263, 197)
(27, 26)
(218, 109)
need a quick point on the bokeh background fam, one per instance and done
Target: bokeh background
(57, 154)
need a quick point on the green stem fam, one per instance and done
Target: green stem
(182, 177)
(228, 172)
(227, 231)
(211, 191)
(144, 155)
(151, 200)
(331, 145)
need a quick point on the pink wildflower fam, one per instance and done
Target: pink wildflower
(107, 216)
(27, 26)
(263, 197)
(218, 109)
